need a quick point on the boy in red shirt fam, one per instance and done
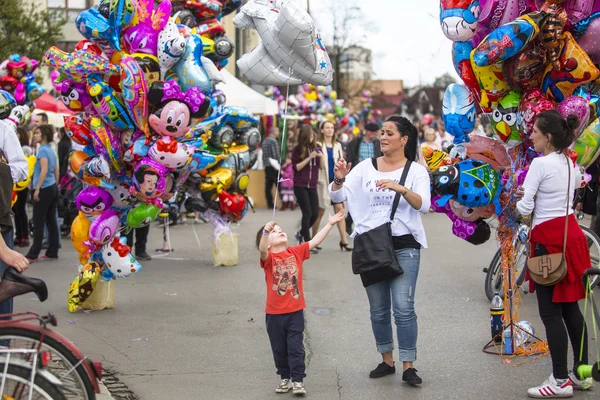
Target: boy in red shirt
(285, 299)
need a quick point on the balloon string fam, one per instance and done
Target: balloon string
(285, 114)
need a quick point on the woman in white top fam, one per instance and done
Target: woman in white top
(369, 190)
(332, 152)
(548, 193)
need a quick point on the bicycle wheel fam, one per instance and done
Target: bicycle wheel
(593, 242)
(64, 365)
(18, 379)
(494, 279)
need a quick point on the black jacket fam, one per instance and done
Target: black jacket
(352, 150)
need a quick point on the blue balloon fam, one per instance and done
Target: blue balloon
(95, 27)
(458, 112)
(189, 70)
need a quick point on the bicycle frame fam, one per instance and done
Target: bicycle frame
(93, 368)
(34, 353)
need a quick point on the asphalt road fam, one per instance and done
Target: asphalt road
(183, 329)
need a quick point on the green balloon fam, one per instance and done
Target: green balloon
(142, 215)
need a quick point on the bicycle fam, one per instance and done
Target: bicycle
(494, 280)
(79, 376)
(23, 380)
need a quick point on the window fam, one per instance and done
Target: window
(72, 7)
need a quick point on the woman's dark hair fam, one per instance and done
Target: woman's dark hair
(47, 132)
(406, 128)
(305, 145)
(23, 136)
(561, 129)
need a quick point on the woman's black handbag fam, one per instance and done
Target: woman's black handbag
(374, 250)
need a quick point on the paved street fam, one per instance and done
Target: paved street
(183, 329)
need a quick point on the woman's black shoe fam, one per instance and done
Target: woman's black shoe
(382, 369)
(318, 248)
(38, 285)
(410, 376)
(345, 246)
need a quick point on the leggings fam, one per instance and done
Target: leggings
(20, 210)
(308, 200)
(559, 320)
(44, 211)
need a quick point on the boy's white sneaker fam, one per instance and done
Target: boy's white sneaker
(550, 389)
(284, 386)
(298, 389)
(580, 384)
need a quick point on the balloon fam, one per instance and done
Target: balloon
(471, 214)
(459, 19)
(458, 112)
(94, 26)
(495, 13)
(576, 68)
(93, 171)
(175, 109)
(122, 199)
(461, 53)
(108, 104)
(587, 146)
(120, 14)
(592, 98)
(492, 83)
(19, 186)
(170, 153)
(508, 40)
(552, 32)
(74, 95)
(171, 46)
(291, 51)
(490, 151)
(93, 200)
(472, 183)
(78, 129)
(435, 158)
(190, 69)
(134, 92)
(577, 106)
(118, 259)
(588, 41)
(504, 119)
(533, 102)
(142, 215)
(104, 227)
(473, 232)
(148, 181)
(80, 232)
(83, 285)
(525, 70)
(106, 143)
(576, 9)
(143, 37)
(232, 205)
(77, 65)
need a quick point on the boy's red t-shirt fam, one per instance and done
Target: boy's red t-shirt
(283, 275)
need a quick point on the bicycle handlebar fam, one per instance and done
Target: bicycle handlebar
(591, 271)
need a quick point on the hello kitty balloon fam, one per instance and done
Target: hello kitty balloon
(170, 153)
(118, 259)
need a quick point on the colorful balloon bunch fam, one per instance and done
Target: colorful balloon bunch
(517, 58)
(149, 119)
(17, 78)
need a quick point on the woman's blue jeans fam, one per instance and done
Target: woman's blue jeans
(397, 294)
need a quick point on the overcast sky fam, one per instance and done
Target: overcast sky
(406, 40)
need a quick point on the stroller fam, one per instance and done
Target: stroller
(68, 188)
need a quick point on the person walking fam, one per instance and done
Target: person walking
(64, 149)
(359, 149)
(547, 193)
(306, 161)
(332, 152)
(271, 156)
(45, 195)
(369, 190)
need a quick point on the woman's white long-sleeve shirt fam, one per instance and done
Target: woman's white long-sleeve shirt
(371, 207)
(545, 188)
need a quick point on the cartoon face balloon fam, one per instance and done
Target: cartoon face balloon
(93, 200)
(148, 179)
(122, 199)
(78, 129)
(142, 215)
(171, 46)
(458, 112)
(143, 37)
(118, 259)
(471, 213)
(504, 119)
(170, 153)
(458, 18)
(108, 103)
(74, 95)
(104, 227)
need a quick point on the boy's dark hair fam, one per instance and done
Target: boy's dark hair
(259, 235)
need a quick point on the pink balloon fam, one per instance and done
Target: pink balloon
(576, 9)
(495, 13)
(590, 40)
(104, 227)
(533, 102)
(578, 106)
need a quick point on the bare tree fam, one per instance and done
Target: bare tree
(351, 61)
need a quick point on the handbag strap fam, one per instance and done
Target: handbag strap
(567, 215)
(402, 181)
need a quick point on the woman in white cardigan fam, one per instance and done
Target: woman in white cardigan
(369, 190)
(332, 151)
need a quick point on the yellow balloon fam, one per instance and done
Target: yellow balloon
(333, 95)
(23, 184)
(80, 230)
(492, 84)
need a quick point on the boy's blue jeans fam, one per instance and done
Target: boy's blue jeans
(397, 294)
(286, 334)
